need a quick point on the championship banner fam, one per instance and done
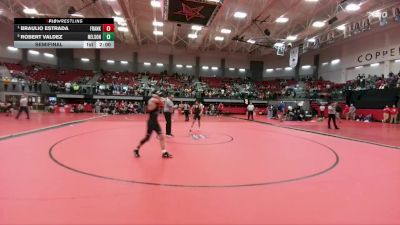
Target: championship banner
(294, 57)
(396, 14)
(383, 19)
(198, 12)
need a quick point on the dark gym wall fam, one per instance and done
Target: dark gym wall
(65, 59)
(256, 70)
(374, 98)
(316, 66)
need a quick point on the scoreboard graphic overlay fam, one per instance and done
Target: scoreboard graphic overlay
(64, 33)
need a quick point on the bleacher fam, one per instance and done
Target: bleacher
(15, 67)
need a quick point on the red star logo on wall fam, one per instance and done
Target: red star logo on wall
(190, 13)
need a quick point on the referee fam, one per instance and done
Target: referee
(332, 115)
(23, 106)
(186, 111)
(168, 110)
(250, 111)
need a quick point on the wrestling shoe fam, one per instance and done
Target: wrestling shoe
(136, 153)
(166, 155)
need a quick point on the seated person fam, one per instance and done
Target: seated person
(80, 108)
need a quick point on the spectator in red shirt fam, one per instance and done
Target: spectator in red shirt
(346, 111)
(386, 114)
(393, 114)
(220, 108)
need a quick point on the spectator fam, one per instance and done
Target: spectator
(281, 111)
(322, 111)
(393, 114)
(98, 106)
(386, 114)
(220, 109)
(338, 113)
(352, 112)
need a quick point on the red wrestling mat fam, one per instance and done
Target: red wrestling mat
(229, 172)
(37, 120)
(382, 133)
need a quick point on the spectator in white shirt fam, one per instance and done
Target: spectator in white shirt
(322, 111)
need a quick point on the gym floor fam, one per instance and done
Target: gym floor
(79, 169)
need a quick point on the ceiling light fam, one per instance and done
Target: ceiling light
(123, 29)
(219, 38)
(192, 36)
(205, 67)
(110, 61)
(288, 68)
(352, 7)
(124, 24)
(376, 13)
(146, 63)
(397, 60)
(119, 19)
(33, 52)
(158, 23)
(179, 66)
(77, 15)
(158, 33)
(240, 15)
(189, 66)
(85, 59)
(160, 64)
(214, 68)
(325, 63)
(11, 48)
(231, 69)
(278, 44)
(341, 27)
(124, 62)
(374, 65)
(269, 70)
(29, 11)
(197, 27)
(242, 70)
(312, 0)
(318, 24)
(306, 67)
(335, 61)
(251, 41)
(311, 40)
(48, 55)
(359, 67)
(225, 31)
(155, 3)
(278, 68)
(282, 20)
(291, 37)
